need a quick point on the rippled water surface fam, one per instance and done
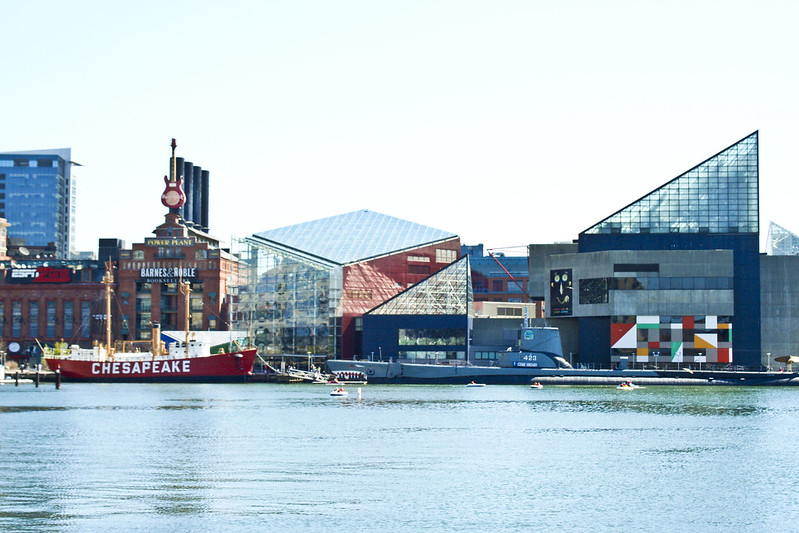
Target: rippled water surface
(258, 457)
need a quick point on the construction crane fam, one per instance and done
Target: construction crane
(494, 257)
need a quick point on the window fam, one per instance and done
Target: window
(138, 255)
(68, 317)
(85, 317)
(33, 319)
(593, 291)
(636, 267)
(446, 256)
(50, 319)
(16, 319)
(359, 294)
(431, 337)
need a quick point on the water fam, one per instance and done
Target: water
(94, 457)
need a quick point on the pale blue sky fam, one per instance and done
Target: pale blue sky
(506, 122)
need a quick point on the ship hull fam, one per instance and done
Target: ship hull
(409, 373)
(216, 368)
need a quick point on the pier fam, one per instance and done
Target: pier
(30, 376)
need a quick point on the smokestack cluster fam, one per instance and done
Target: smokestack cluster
(196, 187)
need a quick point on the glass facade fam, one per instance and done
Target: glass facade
(37, 197)
(290, 303)
(780, 241)
(428, 322)
(447, 292)
(717, 196)
(303, 287)
(355, 236)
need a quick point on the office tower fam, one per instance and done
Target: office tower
(37, 197)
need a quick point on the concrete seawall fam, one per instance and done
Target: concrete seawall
(697, 378)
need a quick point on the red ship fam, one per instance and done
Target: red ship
(91, 365)
(189, 361)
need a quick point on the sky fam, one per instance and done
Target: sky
(506, 122)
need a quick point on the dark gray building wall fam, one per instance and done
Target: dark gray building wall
(537, 256)
(779, 305)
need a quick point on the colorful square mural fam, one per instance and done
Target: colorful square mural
(674, 339)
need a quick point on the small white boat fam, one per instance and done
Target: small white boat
(627, 385)
(473, 384)
(339, 392)
(536, 385)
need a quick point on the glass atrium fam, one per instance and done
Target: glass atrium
(719, 195)
(290, 293)
(780, 241)
(447, 292)
(289, 302)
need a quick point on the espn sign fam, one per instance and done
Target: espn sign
(39, 275)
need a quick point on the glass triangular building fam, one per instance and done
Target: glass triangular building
(717, 196)
(447, 292)
(780, 241)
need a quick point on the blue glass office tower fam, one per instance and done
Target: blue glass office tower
(37, 197)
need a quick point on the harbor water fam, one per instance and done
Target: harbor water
(272, 457)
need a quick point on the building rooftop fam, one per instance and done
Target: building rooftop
(355, 236)
(719, 195)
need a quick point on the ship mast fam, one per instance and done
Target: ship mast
(108, 280)
(185, 290)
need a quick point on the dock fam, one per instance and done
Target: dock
(28, 376)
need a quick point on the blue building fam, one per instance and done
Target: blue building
(37, 198)
(497, 277)
(428, 322)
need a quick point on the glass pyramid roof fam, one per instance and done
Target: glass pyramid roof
(719, 195)
(780, 241)
(355, 236)
(447, 292)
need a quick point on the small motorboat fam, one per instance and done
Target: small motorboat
(627, 385)
(473, 384)
(338, 392)
(536, 385)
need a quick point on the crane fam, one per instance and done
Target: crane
(494, 257)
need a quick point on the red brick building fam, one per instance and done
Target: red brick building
(149, 273)
(42, 302)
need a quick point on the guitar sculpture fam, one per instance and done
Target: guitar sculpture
(173, 196)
